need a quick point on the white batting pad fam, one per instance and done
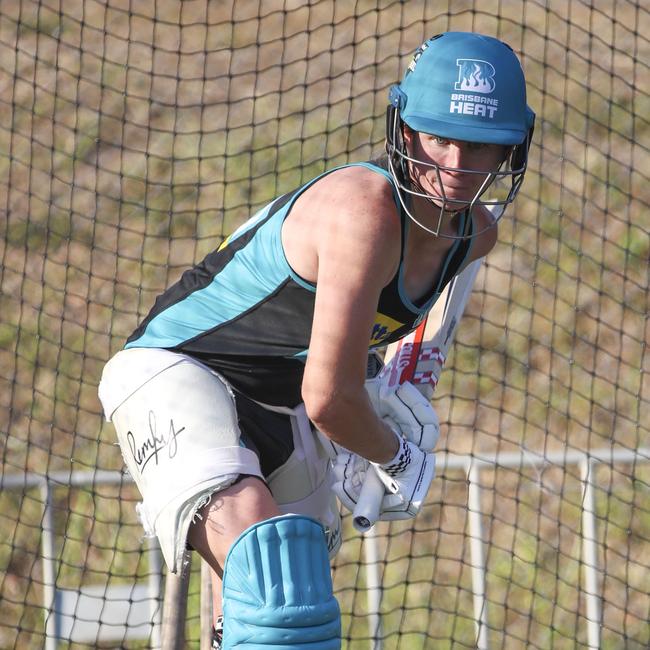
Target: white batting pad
(179, 437)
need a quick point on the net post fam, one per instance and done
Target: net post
(476, 552)
(49, 572)
(590, 553)
(206, 607)
(154, 587)
(175, 606)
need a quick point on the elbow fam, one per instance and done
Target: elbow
(326, 411)
(320, 409)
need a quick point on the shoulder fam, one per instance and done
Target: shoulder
(358, 222)
(346, 218)
(359, 182)
(356, 198)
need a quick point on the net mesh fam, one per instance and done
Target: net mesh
(135, 136)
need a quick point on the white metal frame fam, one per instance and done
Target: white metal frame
(471, 465)
(46, 483)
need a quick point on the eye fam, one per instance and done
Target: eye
(436, 139)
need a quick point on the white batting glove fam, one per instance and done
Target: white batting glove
(407, 478)
(406, 410)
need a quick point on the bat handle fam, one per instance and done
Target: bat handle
(368, 508)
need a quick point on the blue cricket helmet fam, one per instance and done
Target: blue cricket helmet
(465, 86)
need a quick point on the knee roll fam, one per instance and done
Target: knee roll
(277, 588)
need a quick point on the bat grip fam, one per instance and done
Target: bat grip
(368, 508)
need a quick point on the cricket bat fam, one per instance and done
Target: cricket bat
(418, 358)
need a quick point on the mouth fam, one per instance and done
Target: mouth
(454, 192)
(450, 193)
(457, 184)
(458, 190)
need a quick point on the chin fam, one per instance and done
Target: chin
(453, 203)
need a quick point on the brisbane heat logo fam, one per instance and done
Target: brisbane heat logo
(475, 76)
(475, 83)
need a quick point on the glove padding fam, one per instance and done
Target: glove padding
(349, 471)
(408, 476)
(406, 480)
(406, 411)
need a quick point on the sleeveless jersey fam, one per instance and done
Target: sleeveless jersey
(245, 313)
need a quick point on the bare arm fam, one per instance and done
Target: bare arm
(356, 239)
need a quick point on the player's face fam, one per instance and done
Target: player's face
(453, 170)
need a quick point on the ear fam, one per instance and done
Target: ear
(408, 134)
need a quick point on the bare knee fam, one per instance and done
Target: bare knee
(228, 514)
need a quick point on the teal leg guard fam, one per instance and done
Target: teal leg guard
(277, 589)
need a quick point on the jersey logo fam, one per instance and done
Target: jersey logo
(475, 76)
(383, 327)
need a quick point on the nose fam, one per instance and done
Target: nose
(457, 155)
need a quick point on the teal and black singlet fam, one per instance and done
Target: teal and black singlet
(244, 312)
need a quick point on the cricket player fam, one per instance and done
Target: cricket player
(234, 395)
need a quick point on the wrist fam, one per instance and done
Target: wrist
(398, 449)
(395, 446)
(390, 447)
(400, 459)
